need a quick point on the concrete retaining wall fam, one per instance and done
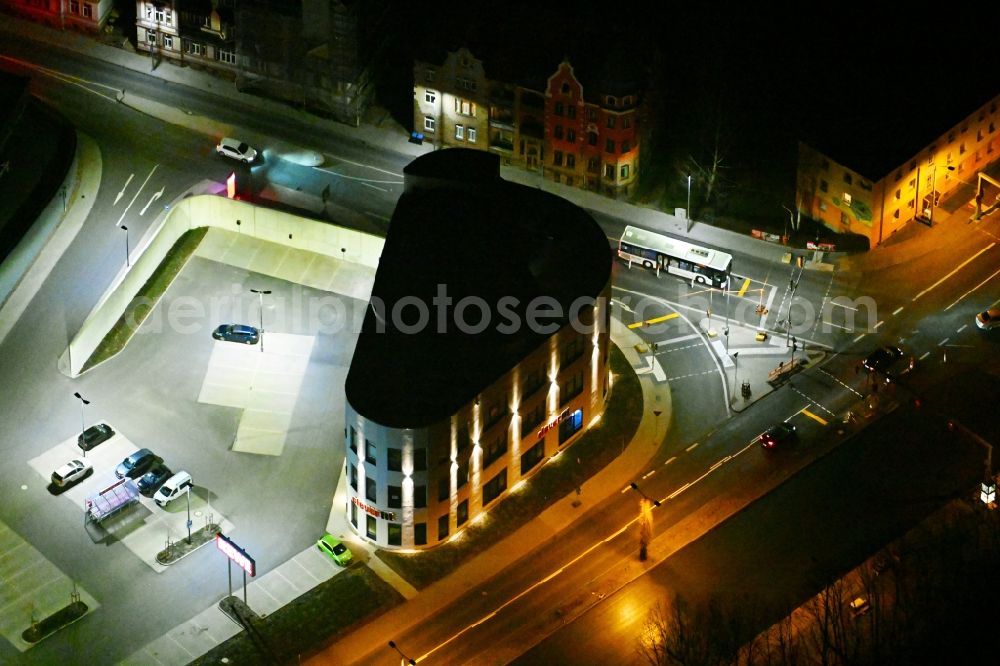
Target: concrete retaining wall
(214, 211)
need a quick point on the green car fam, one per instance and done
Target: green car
(338, 552)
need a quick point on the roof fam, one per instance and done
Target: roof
(461, 228)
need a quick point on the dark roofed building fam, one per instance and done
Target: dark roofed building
(457, 390)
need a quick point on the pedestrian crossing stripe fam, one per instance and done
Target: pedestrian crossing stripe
(655, 320)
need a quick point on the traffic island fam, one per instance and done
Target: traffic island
(179, 549)
(53, 623)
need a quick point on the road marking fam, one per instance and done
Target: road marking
(626, 489)
(670, 461)
(156, 195)
(830, 323)
(877, 325)
(688, 449)
(121, 192)
(835, 304)
(812, 401)
(655, 320)
(374, 187)
(926, 354)
(972, 290)
(622, 305)
(124, 212)
(859, 337)
(897, 311)
(678, 491)
(957, 269)
(943, 341)
(821, 420)
(743, 289)
(837, 379)
(680, 338)
(720, 463)
(649, 474)
(964, 326)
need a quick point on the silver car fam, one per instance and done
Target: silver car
(72, 472)
(236, 149)
(988, 320)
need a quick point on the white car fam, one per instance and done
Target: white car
(236, 149)
(173, 488)
(988, 320)
(71, 472)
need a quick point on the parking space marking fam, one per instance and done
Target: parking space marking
(819, 419)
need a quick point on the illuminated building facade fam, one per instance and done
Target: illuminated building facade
(586, 137)
(845, 201)
(83, 15)
(450, 408)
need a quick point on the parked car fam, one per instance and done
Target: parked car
(988, 320)
(886, 361)
(153, 479)
(135, 464)
(94, 435)
(72, 472)
(332, 547)
(173, 488)
(777, 435)
(236, 149)
(237, 333)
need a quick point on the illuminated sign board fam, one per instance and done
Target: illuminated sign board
(553, 423)
(231, 186)
(236, 554)
(372, 511)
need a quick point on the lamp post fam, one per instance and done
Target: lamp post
(934, 197)
(687, 211)
(83, 427)
(403, 659)
(260, 293)
(646, 505)
(125, 229)
(736, 372)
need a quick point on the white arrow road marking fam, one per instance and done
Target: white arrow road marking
(121, 192)
(151, 200)
(119, 223)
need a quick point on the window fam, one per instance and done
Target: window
(609, 171)
(463, 512)
(592, 138)
(557, 131)
(420, 534)
(848, 198)
(370, 489)
(159, 14)
(227, 57)
(395, 534)
(565, 88)
(609, 146)
(465, 84)
(823, 187)
(557, 108)
(429, 75)
(557, 158)
(354, 514)
(571, 112)
(394, 459)
(462, 439)
(571, 160)
(495, 411)
(572, 350)
(610, 122)
(961, 149)
(465, 107)
(74, 7)
(370, 527)
(354, 439)
(896, 214)
(419, 460)
(151, 36)
(570, 135)
(624, 171)
(459, 131)
(848, 179)
(429, 124)
(844, 219)
(395, 497)
(196, 49)
(430, 96)
(822, 206)
(369, 451)
(899, 194)
(625, 146)
(354, 477)
(419, 497)
(626, 122)
(532, 382)
(494, 487)
(168, 41)
(444, 489)
(463, 474)
(149, 12)
(570, 425)
(532, 457)
(472, 134)
(443, 527)
(532, 418)
(494, 450)
(865, 185)
(572, 388)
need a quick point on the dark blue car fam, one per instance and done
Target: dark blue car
(153, 479)
(237, 333)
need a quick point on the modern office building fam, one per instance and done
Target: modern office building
(483, 353)
(578, 131)
(846, 201)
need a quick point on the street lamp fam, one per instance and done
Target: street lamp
(83, 427)
(934, 197)
(646, 497)
(687, 211)
(125, 229)
(260, 293)
(189, 513)
(403, 658)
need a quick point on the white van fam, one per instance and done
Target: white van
(174, 487)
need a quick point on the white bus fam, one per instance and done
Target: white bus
(698, 264)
